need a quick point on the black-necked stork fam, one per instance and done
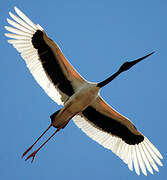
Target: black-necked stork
(80, 99)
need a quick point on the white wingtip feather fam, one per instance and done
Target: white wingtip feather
(130, 164)
(152, 153)
(25, 18)
(140, 160)
(154, 148)
(125, 154)
(22, 23)
(151, 161)
(14, 36)
(145, 159)
(16, 31)
(135, 161)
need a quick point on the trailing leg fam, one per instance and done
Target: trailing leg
(57, 130)
(36, 141)
(53, 117)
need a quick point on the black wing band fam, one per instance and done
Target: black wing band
(51, 65)
(111, 126)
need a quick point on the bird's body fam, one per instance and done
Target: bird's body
(77, 103)
(80, 99)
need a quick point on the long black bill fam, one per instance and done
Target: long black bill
(125, 66)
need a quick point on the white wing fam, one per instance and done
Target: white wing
(43, 57)
(115, 132)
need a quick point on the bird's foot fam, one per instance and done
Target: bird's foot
(27, 151)
(31, 155)
(36, 141)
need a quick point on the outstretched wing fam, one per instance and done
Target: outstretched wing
(115, 132)
(44, 58)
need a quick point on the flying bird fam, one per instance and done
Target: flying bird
(80, 99)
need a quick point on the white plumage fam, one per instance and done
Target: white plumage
(140, 155)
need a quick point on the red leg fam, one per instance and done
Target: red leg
(36, 141)
(35, 152)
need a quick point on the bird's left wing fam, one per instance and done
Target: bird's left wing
(117, 133)
(44, 58)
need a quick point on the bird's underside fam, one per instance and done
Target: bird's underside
(80, 99)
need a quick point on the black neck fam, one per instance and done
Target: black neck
(126, 66)
(108, 80)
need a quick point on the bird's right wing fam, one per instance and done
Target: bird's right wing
(44, 58)
(117, 133)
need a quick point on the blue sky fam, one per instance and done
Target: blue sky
(96, 37)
